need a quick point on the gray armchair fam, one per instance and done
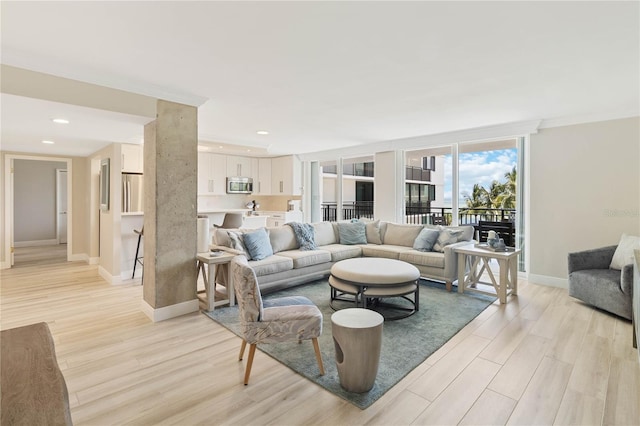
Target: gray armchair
(591, 281)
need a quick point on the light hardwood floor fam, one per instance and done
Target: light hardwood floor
(543, 358)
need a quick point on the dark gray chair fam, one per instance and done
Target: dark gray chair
(592, 281)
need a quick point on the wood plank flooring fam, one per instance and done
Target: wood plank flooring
(543, 358)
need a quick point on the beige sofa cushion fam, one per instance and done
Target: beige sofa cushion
(423, 258)
(304, 258)
(271, 265)
(341, 251)
(372, 229)
(387, 251)
(401, 235)
(282, 238)
(325, 234)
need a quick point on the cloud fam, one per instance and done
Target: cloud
(477, 167)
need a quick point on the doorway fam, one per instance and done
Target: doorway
(31, 208)
(61, 206)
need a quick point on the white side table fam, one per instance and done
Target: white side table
(210, 286)
(357, 334)
(507, 261)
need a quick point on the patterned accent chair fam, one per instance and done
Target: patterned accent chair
(278, 320)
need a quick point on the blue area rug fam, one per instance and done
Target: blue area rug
(406, 343)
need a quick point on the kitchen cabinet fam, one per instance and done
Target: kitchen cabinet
(262, 176)
(279, 218)
(212, 174)
(132, 158)
(286, 176)
(238, 166)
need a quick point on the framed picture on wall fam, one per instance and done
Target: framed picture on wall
(104, 184)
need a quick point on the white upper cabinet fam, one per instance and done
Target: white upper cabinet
(238, 166)
(262, 180)
(286, 176)
(212, 179)
(132, 158)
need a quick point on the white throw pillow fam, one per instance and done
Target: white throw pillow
(624, 251)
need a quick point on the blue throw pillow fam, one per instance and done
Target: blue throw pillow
(352, 233)
(426, 239)
(258, 244)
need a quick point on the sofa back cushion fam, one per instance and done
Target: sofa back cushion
(372, 229)
(325, 234)
(352, 233)
(282, 238)
(401, 235)
(221, 237)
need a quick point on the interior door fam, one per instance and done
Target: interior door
(61, 205)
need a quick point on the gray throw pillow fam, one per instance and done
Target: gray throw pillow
(446, 237)
(236, 240)
(258, 244)
(426, 239)
(352, 233)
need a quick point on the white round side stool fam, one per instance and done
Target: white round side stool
(357, 336)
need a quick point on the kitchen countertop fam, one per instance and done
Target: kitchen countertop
(223, 211)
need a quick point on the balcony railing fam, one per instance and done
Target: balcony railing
(419, 214)
(444, 215)
(353, 210)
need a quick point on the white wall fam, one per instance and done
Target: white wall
(35, 201)
(109, 222)
(584, 191)
(388, 195)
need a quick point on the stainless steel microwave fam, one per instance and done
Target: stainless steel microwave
(239, 185)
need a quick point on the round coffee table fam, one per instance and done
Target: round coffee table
(371, 279)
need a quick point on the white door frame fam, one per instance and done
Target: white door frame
(7, 262)
(58, 221)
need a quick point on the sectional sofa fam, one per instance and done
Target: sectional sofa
(289, 265)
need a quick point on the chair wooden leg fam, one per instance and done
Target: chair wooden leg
(316, 347)
(244, 345)
(247, 372)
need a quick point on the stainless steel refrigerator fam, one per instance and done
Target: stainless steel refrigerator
(132, 192)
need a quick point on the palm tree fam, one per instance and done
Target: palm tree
(507, 199)
(477, 200)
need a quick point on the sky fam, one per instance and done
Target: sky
(478, 167)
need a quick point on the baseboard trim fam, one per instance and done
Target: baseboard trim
(79, 257)
(94, 260)
(548, 281)
(171, 311)
(5, 265)
(111, 279)
(36, 243)
(126, 275)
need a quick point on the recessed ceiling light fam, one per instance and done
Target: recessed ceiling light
(220, 147)
(48, 142)
(262, 132)
(60, 120)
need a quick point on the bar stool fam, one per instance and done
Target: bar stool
(138, 259)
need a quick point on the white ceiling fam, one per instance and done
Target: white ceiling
(322, 75)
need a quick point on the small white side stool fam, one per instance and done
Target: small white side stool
(357, 335)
